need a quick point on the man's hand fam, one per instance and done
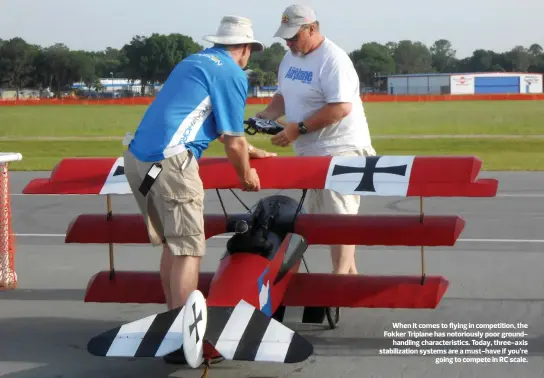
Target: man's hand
(289, 134)
(275, 108)
(265, 114)
(236, 148)
(251, 182)
(257, 153)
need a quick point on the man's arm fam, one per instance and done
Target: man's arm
(327, 115)
(236, 148)
(228, 98)
(275, 109)
(339, 84)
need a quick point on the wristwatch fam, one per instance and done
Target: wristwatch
(301, 128)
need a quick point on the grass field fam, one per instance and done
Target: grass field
(506, 135)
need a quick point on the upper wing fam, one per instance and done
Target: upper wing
(405, 176)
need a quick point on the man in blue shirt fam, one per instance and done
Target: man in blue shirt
(203, 99)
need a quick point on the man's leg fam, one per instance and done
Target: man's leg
(329, 202)
(180, 201)
(343, 259)
(179, 277)
(181, 205)
(165, 272)
(183, 278)
(343, 256)
(135, 172)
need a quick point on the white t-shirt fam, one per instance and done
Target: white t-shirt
(307, 83)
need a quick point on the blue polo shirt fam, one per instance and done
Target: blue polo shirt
(204, 97)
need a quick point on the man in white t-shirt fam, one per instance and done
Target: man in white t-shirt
(319, 95)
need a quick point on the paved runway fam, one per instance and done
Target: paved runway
(495, 274)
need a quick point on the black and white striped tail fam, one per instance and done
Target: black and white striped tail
(240, 333)
(244, 333)
(154, 336)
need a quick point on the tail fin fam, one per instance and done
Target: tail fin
(244, 333)
(154, 336)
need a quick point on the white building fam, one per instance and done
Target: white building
(114, 84)
(466, 83)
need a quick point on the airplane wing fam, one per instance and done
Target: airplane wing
(240, 333)
(406, 176)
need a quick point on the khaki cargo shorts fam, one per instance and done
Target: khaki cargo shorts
(325, 201)
(173, 209)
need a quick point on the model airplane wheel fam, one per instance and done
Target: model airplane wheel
(333, 316)
(195, 319)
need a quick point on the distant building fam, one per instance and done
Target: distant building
(115, 85)
(465, 83)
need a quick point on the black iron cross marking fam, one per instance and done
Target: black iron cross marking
(197, 320)
(119, 171)
(367, 181)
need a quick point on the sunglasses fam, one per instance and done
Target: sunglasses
(297, 36)
(294, 39)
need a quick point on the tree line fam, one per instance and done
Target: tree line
(150, 59)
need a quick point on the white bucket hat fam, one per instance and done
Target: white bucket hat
(234, 30)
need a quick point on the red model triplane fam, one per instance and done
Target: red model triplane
(259, 274)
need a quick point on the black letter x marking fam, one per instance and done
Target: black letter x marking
(367, 181)
(193, 326)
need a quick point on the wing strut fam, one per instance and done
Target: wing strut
(332, 313)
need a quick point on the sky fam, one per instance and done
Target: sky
(96, 24)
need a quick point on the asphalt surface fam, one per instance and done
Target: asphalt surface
(495, 274)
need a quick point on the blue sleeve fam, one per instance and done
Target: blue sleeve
(228, 97)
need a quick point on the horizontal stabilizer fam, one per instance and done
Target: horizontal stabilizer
(240, 333)
(153, 336)
(244, 333)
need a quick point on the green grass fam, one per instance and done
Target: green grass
(497, 132)
(497, 154)
(457, 117)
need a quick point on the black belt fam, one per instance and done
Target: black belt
(150, 177)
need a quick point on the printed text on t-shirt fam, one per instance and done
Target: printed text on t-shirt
(295, 73)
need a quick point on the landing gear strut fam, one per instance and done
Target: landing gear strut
(333, 316)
